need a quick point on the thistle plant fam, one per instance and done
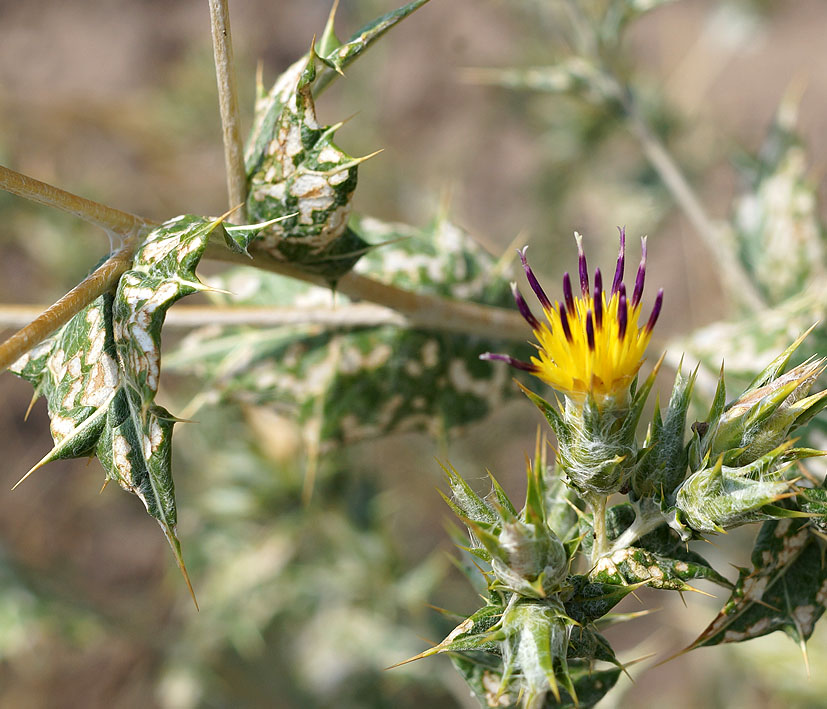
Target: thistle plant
(554, 573)
(321, 327)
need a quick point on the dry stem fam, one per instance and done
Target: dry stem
(417, 310)
(421, 310)
(191, 316)
(715, 234)
(102, 279)
(93, 212)
(228, 103)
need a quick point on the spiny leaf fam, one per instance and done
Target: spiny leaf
(589, 600)
(299, 180)
(665, 459)
(100, 372)
(337, 56)
(295, 168)
(785, 590)
(633, 565)
(474, 633)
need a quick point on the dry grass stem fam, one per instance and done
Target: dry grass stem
(228, 104)
(108, 218)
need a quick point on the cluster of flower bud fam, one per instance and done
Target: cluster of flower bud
(741, 453)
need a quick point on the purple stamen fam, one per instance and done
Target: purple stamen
(522, 306)
(590, 330)
(532, 281)
(641, 274)
(622, 316)
(516, 363)
(621, 261)
(583, 268)
(622, 290)
(598, 298)
(653, 318)
(564, 320)
(567, 294)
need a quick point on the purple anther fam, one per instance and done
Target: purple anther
(622, 316)
(653, 318)
(564, 320)
(522, 306)
(641, 274)
(590, 330)
(532, 281)
(621, 261)
(598, 282)
(567, 294)
(598, 309)
(516, 363)
(583, 268)
(622, 290)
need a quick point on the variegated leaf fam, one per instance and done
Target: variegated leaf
(99, 372)
(778, 229)
(659, 558)
(337, 55)
(353, 383)
(590, 600)
(786, 589)
(295, 168)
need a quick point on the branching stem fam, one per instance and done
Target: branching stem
(416, 310)
(102, 279)
(108, 218)
(421, 310)
(648, 517)
(228, 104)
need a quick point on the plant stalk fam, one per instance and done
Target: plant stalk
(420, 310)
(102, 279)
(108, 218)
(228, 105)
(648, 517)
(191, 316)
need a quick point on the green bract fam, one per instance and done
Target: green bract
(597, 447)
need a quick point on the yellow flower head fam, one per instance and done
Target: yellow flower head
(591, 343)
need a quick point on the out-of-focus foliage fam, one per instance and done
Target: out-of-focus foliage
(348, 384)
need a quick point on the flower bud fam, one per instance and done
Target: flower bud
(529, 559)
(536, 644)
(722, 497)
(762, 418)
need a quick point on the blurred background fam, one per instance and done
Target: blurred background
(305, 605)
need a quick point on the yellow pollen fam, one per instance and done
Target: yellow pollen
(576, 369)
